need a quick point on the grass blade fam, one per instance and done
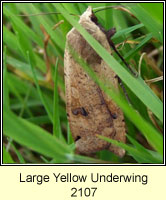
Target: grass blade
(133, 151)
(127, 31)
(56, 120)
(33, 136)
(20, 157)
(148, 20)
(6, 102)
(46, 105)
(7, 159)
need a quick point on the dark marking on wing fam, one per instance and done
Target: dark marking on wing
(80, 111)
(114, 116)
(83, 112)
(77, 138)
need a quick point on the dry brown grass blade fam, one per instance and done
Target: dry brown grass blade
(153, 80)
(56, 25)
(151, 63)
(24, 76)
(126, 10)
(47, 59)
(155, 52)
(151, 116)
(140, 62)
(156, 90)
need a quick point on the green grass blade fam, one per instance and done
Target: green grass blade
(24, 67)
(32, 136)
(29, 33)
(25, 45)
(84, 159)
(40, 120)
(155, 10)
(45, 103)
(20, 157)
(148, 20)
(69, 135)
(139, 146)
(6, 102)
(144, 151)
(10, 39)
(21, 100)
(7, 159)
(56, 36)
(126, 31)
(133, 151)
(56, 120)
(133, 51)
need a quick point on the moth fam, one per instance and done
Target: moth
(89, 110)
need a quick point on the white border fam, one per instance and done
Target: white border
(2, 85)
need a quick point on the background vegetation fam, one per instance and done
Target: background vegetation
(35, 125)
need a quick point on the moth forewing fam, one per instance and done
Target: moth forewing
(89, 110)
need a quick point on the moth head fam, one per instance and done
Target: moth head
(89, 20)
(87, 14)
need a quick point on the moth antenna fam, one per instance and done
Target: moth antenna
(95, 10)
(127, 65)
(124, 89)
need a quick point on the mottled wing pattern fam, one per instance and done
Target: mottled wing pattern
(89, 110)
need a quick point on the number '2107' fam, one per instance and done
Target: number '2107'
(86, 192)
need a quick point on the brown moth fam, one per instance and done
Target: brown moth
(89, 110)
